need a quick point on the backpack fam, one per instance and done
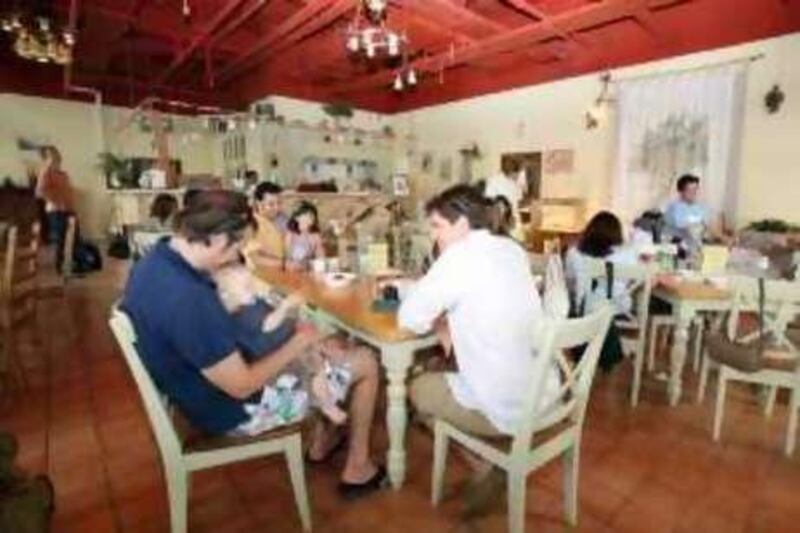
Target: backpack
(26, 504)
(86, 258)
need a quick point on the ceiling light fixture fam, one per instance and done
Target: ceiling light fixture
(597, 114)
(36, 39)
(368, 33)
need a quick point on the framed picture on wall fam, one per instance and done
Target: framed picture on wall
(400, 184)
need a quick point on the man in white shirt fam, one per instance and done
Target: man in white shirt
(506, 184)
(482, 286)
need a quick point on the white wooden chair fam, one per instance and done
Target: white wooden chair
(782, 359)
(638, 285)
(181, 460)
(545, 431)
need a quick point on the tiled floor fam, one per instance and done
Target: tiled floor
(649, 470)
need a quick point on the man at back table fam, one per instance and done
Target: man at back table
(688, 219)
(266, 247)
(482, 288)
(188, 341)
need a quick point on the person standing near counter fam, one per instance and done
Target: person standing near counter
(266, 247)
(53, 186)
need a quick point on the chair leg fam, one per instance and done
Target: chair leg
(769, 403)
(177, 490)
(638, 362)
(698, 345)
(791, 432)
(651, 352)
(516, 501)
(440, 442)
(571, 474)
(719, 410)
(701, 385)
(294, 459)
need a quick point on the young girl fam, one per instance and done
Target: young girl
(262, 329)
(303, 241)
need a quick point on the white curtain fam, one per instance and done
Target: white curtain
(675, 124)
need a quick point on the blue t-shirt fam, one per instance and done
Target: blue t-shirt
(253, 342)
(679, 215)
(182, 328)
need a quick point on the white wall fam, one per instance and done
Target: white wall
(550, 116)
(72, 126)
(292, 145)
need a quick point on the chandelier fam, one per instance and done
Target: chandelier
(36, 39)
(369, 34)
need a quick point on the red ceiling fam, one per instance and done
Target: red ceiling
(232, 52)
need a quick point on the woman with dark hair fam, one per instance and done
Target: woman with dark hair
(501, 216)
(303, 241)
(601, 239)
(162, 211)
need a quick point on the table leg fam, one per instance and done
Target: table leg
(396, 360)
(683, 319)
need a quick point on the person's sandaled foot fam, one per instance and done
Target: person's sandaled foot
(322, 452)
(354, 491)
(484, 494)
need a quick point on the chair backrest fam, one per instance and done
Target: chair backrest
(167, 437)
(551, 246)
(781, 307)
(538, 263)
(636, 280)
(569, 404)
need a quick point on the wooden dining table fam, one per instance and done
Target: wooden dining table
(349, 308)
(687, 298)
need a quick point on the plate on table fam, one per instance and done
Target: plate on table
(338, 279)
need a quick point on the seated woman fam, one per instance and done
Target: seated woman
(601, 239)
(303, 241)
(162, 212)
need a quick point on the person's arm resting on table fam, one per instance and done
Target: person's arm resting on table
(431, 296)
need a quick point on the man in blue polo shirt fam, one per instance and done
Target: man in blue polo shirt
(187, 339)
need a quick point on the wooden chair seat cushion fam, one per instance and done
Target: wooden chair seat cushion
(194, 440)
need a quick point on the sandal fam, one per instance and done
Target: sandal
(354, 491)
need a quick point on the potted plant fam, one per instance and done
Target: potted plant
(117, 171)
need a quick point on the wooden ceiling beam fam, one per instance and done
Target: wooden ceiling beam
(246, 15)
(313, 16)
(205, 34)
(582, 18)
(156, 27)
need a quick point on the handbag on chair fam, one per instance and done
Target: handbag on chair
(743, 357)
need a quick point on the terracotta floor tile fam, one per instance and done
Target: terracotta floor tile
(651, 469)
(653, 507)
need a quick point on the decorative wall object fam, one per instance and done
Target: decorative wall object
(773, 100)
(426, 162)
(559, 161)
(688, 122)
(446, 169)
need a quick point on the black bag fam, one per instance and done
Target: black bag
(86, 258)
(26, 505)
(743, 357)
(119, 247)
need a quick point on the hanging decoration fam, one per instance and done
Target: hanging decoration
(39, 38)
